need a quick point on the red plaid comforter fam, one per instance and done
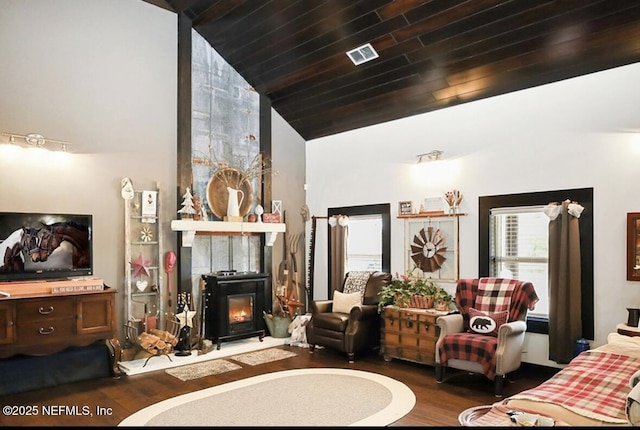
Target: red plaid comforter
(595, 384)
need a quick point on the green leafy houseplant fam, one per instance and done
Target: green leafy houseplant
(401, 289)
(396, 293)
(443, 299)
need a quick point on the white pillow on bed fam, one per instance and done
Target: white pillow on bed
(621, 344)
(621, 339)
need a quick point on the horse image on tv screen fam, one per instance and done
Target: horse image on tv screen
(46, 245)
(14, 248)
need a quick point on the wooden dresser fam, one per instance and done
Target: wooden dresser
(40, 323)
(410, 334)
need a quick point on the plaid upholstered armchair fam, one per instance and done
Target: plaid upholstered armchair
(487, 335)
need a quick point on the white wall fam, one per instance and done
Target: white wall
(570, 134)
(288, 175)
(102, 75)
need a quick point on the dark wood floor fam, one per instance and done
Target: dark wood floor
(436, 404)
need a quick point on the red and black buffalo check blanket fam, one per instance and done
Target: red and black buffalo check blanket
(488, 295)
(595, 384)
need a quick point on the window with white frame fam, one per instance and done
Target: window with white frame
(364, 243)
(519, 249)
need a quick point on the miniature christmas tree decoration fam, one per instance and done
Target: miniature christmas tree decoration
(188, 207)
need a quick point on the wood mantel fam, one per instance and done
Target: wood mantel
(190, 228)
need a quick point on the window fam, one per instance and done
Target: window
(364, 244)
(519, 249)
(514, 203)
(369, 241)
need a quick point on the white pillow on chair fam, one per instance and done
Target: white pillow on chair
(344, 302)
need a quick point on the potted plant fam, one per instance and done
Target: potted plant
(397, 293)
(423, 293)
(443, 299)
(405, 291)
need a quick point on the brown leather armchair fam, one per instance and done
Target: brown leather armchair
(351, 332)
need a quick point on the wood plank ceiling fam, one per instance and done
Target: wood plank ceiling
(432, 54)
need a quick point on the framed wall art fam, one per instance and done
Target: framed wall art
(431, 247)
(434, 204)
(633, 246)
(405, 208)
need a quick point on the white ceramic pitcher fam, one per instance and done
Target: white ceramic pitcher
(234, 203)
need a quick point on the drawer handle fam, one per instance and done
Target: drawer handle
(43, 311)
(44, 331)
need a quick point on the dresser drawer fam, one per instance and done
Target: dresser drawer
(45, 331)
(40, 310)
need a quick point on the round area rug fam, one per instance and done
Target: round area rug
(300, 397)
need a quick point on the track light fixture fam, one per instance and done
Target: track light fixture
(37, 141)
(429, 156)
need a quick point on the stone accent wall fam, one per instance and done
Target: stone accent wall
(225, 128)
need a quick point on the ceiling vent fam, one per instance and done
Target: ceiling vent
(362, 54)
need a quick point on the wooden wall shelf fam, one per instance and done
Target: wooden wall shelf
(430, 215)
(190, 228)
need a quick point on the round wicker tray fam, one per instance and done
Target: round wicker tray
(218, 196)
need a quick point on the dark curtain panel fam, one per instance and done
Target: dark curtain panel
(565, 314)
(338, 229)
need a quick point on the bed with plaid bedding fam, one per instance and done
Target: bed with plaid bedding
(595, 385)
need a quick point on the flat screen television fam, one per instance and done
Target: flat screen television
(45, 246)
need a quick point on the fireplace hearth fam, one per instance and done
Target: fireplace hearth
(234, 305)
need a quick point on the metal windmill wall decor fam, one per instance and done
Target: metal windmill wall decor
(428, 249)
(431, 247)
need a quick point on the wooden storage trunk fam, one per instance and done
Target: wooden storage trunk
(409, 334)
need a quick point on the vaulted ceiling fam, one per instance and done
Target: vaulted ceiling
(432, 54)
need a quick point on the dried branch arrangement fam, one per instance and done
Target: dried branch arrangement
(453, 198)
(235, 173)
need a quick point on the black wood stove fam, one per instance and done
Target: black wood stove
(234, 305)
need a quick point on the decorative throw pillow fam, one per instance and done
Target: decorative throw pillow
(344, 302)
(356, 281)
(486, 323)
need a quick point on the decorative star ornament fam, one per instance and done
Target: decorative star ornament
(140, 266)
(186, 318)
